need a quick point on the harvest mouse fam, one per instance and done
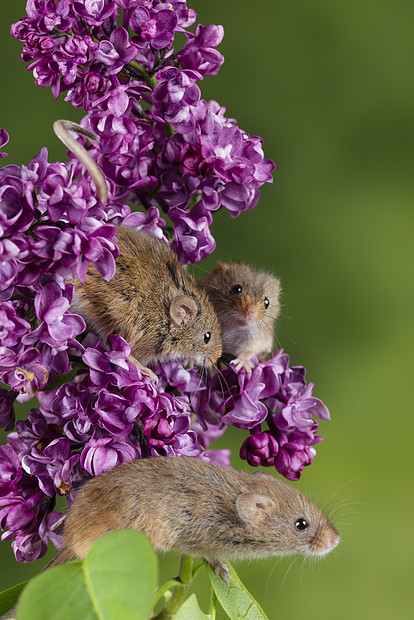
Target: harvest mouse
(152, 302)
(191, 506)
(246, 301)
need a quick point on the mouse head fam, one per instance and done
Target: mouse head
(195, 332)
(290, 522)
(243, 295)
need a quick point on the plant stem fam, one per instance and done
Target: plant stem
(150, 80)
(168, 585)
(183, 581)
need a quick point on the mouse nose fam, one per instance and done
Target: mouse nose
(334, 541)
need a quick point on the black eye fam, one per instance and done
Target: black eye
(266, 303)
(301, 524)
(207, 337)
(236, 289)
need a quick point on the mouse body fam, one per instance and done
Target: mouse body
(152, 302)
(246, 301)
(197, 508)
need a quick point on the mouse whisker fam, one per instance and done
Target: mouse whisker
(272, 570)
(342, 487)
(222, 379)
(201, 373)
(287, 572)
(335, 509)
(302, 570)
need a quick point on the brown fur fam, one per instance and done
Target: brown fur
(194, 507)
(137, 303)
(247, 325)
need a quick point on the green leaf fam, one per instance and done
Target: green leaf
(190, 610)
(235, 599)
(61, 379)
(9, 597)
(117, 579)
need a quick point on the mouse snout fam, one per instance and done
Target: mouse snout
(212, 355)
(324, 541)
(334, 541)
(249, 309)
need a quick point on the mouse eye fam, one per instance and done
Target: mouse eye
(236, 290)
(266, 303)
(207, 337)
(301, 524)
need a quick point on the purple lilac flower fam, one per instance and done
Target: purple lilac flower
(58, 326)
(95, 12)
(259, 449)
(198, 52)
(292, 458)
(4, 138)
(11, 471)
(17, 209)
(156, 28)
(12, 326)
(22, 371)
(7, 418)
(52, 466)
(103, 453)
(149, 222)
(278, 396)
(193, 240)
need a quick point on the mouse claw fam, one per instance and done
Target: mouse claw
(220, 568)
(242, 362)
(146, 371)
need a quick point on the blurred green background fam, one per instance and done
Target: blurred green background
(329, 86)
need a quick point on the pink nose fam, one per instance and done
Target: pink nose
(250, 312)
(334, 541)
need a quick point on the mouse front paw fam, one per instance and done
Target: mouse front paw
(146, 371)
(242, 361)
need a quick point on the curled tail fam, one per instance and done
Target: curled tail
(61, 129)
(62, 557)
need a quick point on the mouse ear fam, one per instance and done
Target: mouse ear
(260, 472)
(182, 310)
(253, 506)
(220, 267)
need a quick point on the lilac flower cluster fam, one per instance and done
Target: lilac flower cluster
(52, 228)
(179, 158)
(273, 394)
(161, 145)
(111, 413)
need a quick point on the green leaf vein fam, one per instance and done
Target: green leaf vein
(90, 589)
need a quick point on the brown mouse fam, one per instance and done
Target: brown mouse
(196, 508)
(246, 301)
(152, 302)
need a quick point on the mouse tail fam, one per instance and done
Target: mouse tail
(61, 129)
(62, 557)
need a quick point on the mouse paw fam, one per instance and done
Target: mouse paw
(220, 568)
(242, 362)
(143, 369)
